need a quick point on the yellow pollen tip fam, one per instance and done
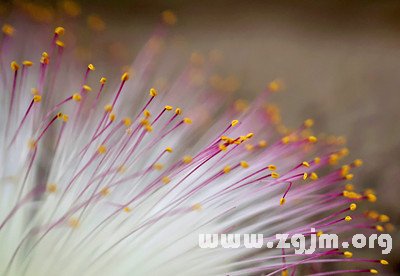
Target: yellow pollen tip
(127, 121)
(317, 160)
(373, 271)
(178, 111)
(108, 108)
(87, 88)
(45, 58)
(306, 164)
(148, 128)
(349, 187)
(37, 98)
(308, 123)
(319, 233)
(262, 144)
(313, 176)
(153, 92)
(353, 206)
(112, 117)
(65, 117)
(32, 144)
(305, 175)
(187, 120)
(105, 191)
(244, 164)
(285, 273)
(187, 159)
(226, 169)
(197, 207)
(121, 169)
(282, 201)
(166, 180)
(158, 166)
(272, 167)
(371, 198)
(103, 80)
(77, 97)
(27, 63)
(91, 67)
(102, 149)
(274, 175)
(348, 254)
(146, 113)
(249, 135)
(168, 107)
(59, 31)
(59, 43)
(8, 29)
(349, 176)
(51, 188)
(125, 76)
(168, 149)
(275, 85)
(169, 17)
(234, 123)
(384, 262)
(379, 228)
(127, 209)
(14, 66)
(285, 140)
(222, 147)
(73, 222)
(312, 139)
(347, 218)
(383, 218)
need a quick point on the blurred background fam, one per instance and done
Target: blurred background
(339, 60)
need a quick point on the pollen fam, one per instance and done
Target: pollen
(103, 80)
(73, 222)
(262, 143)
(127, 121)
(317, 160)
(348, 254)
(333, 159)
(379, 228)
(308, 123)
(37, 98)
(349, 187)
(244, 164)
(65, 117)
(77, 97)
(312, 139)
(153, 92)
(59, 31)
(358, 163)
(127, 209)
(178, 111)
(234, 123)
(8, 29)
(146, 113)
(226, 169)
(349, 176)
(187, 120)
(87, 88)
(347, 218)
(314, 176)
(197, 207)
(27, 63)
(249, 147)
(187, 159)
(105, 192)
(275, 86)
(285, 140)
(108, 108)
(373, 271)
(305, 175)
(383, 218)
(371, 198)
(166, 180)
(274, 175)
(45, 58)
(60, 44)
(305, 164)
(51, 188)
(125, 76)
(384, 262)
(112, 117)
(32, 144)
(91, 67)
(168, 149)
(102, 149)
(272, 167)
(169, 17)
(282, 201)
(121, 169)
(158, 166)
(285, 272)
(168, 107)
(14, 66)
(319, 233)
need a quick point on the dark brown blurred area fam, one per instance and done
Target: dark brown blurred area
(340, 61)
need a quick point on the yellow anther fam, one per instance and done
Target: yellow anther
(73, 222)
(101, 149)
(373, 271)
(91, 67)
(168, 149)
(282, 201)
(249, 135)
(275, 85)
(262, 143)
(389, 227)
(349, 176)
(105, 191)
(168, 107)
(45, 58)
(372, 215)
(8, 29)
(274, 175)
(345, 170)
(353, 206)
(305, 164)
(348, 254)
(87, 88)
(369, 191)
(169, 17)
(127, 121)
(125, 76)
(127, 209)
(371, 198)
(153, 92)
(108, 108)
(60, 44)
(305, 175)
(344, 152)
(77, 97)
(312, 139)
(272, 167)
(32, 144)
(249, 147)
(37, 98)
(347, 218)
(285, 272)
(121, 169)
(65, 117)
(59, 115)
(317, 160)
(351, 195)
(234, 123)
(197, 207)
(383, 218)
(59, 30)
(244, 164)
(158, 166)
(308, 123)
(144, 122)
(51, 188)
(14, 66)
(333, 159)
(349, 187)
(379, 228)
(166, 180)
(146, 113)
(187, 159)
(319, 233)
(111, 117)
(187, 120)
(384, 262)
(148, 128)
(178, 111)
(285, 140)
(226, 169)
(358, 163)
(27, 63)
(103, 80)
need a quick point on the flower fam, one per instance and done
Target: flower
(112, 178)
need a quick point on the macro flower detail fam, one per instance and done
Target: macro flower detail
(119, 176)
